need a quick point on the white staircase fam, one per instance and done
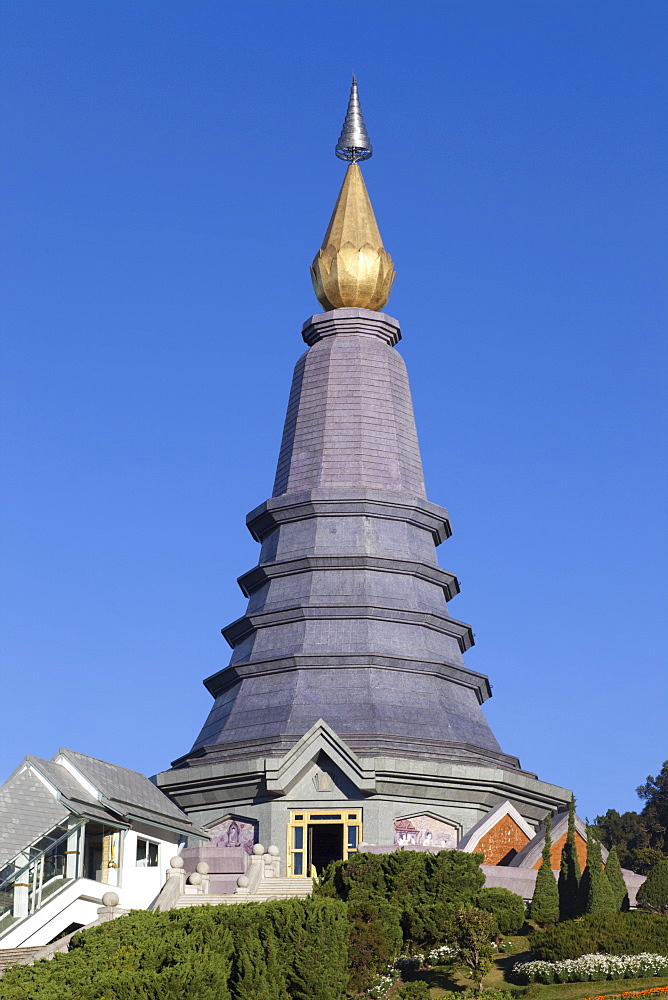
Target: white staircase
(16, 956)
(269, 888)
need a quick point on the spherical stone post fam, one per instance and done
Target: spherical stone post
(203, 870)
(243, 885)
(257, 856)
(275, 862)
(176, 870)
(107, 912)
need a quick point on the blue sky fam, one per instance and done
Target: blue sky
(168, 174)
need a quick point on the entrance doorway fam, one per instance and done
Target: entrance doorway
(325, 844)
(316, 838)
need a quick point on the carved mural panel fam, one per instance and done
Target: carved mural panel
(233, 833)
(425, 831)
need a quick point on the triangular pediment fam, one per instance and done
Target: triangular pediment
(504, 811)
(320, 739)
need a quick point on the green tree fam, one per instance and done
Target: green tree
(626, 830)
(643, 859)
(655, 813)
(653, 893)
(634, 833)
(596, 895)
(569, 874)
(545, 900)
(474, 930)
(614, 875)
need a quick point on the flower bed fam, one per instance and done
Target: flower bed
(655, 991)
(591, 967)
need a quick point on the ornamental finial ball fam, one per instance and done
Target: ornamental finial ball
(110, 899)
(258, 850)
(352, 269)
(176, 862)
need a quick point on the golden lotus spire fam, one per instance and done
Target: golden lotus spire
(352, 267)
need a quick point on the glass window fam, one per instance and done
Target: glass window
(352, 838)
(147, 853)
(299, 838)
(327, 816)
(301, 816)
(298, 864)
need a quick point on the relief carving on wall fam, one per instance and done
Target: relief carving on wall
(233, 833)
(425, 831)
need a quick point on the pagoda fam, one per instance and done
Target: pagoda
(346, 715)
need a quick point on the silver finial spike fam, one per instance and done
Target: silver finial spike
(354, 144)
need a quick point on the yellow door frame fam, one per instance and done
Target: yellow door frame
(298, 824)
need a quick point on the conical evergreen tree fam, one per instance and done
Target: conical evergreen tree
(545, 900)
(613, 871)
(653, 893)
(596, 895)
(569, 875)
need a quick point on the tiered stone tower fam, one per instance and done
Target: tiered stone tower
(346, 693)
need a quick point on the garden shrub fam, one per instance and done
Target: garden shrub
(375, 941)
(506, 906)
(417, 990)
(424, 889)
(609, 933)
(407, 879)
(428, 927)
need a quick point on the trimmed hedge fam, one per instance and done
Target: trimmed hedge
(608, 933)
(294, 949)
(506, 906)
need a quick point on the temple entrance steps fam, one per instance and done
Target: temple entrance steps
(283, 888)
(271, 888)
(16, 956)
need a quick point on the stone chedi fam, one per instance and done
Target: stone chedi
(347, 695)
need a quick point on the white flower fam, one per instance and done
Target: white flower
(593, 967)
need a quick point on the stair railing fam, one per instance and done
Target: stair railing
(26, 882)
